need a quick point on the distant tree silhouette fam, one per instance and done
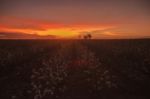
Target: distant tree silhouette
(88, 36)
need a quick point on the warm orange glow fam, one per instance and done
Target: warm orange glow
(47, 28)
(75, 18)
(70, 30)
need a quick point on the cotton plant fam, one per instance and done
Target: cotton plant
(48, 80)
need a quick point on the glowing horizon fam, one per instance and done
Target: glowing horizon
(56, 29)
(74, 18)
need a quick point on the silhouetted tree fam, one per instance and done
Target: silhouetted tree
(88, 36)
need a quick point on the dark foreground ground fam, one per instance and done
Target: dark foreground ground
(75, 69)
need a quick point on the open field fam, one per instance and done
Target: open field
(75, 69)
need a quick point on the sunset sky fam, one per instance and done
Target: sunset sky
(73, 18)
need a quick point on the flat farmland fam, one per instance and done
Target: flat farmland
(75, 69)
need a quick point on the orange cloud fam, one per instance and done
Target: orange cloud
(43, 28)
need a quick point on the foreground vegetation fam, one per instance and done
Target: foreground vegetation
(75, 69)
